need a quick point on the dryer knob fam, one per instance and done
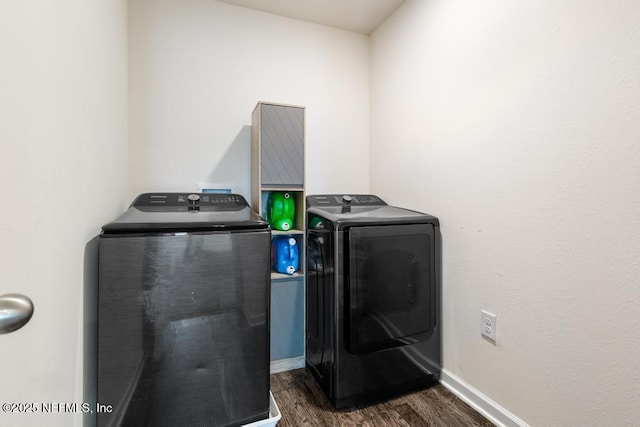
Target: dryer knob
(193, 198)
(347, 199)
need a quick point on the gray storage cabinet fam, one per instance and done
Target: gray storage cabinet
(281, 140)
(277, 156)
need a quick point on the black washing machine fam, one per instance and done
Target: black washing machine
(183, 313)
(373, 293)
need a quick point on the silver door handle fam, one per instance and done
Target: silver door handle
(15, 312)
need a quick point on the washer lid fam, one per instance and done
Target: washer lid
(158, 212)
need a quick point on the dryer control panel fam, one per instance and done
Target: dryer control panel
(344, 200)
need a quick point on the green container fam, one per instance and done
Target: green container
(281, 210)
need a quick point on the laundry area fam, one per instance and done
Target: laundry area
(201, 296)
(251, 213)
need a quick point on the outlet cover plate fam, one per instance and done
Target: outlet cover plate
(488, 322)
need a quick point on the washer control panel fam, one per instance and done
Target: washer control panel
(344, 200)
(175, 202)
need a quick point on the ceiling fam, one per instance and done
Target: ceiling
(360, 16)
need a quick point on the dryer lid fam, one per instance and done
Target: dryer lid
(340, 200)
(363, 209)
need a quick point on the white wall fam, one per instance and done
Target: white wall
(518, 124)
(63, 130)
(197, 70)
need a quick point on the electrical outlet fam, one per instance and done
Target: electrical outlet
(488, 324)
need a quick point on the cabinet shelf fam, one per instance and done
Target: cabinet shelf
(281, 276)
(276, 188)
(293, 231)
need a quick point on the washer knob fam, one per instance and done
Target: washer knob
(193, 198)
(347, 199)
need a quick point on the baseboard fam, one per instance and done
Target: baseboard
(478, 401)
(286, 364)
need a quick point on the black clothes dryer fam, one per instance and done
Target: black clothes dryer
(373, 298)
(183, 313)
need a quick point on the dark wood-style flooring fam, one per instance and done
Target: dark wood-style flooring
(303, 403)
